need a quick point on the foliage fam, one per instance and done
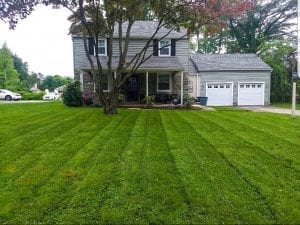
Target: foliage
(275, 54)
(95, 19)
(149, 101)
(53, 82)
(188, 100)
(268, 21)
(147, 166)
(9, 77)
(33, 95)
(22, 68)
(87, 99)
(121, 99)
(72, 95)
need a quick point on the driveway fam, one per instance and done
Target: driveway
(22, 101)
(270, 109)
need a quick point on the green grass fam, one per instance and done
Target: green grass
(285, 105)
(75, 165)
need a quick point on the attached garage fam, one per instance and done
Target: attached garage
(251, 93)
(232, 79)
(219, 94)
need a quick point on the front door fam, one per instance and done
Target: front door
(132, 88)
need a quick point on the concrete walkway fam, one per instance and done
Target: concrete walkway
(270, 109)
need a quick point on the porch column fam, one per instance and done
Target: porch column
(147, 84)
(115, 75)
(181, 89)
(81, 80)
(197, 86)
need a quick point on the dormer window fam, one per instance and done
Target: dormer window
(102, 47)
(164, 48)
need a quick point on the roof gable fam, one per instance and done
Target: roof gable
(229, 62)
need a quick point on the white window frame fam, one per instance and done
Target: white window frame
(170, 83)
(168, 47)
(105, 43)
(102, 90)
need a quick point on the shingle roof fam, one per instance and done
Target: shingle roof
(229, 62)
(145, 29)
(154, 63)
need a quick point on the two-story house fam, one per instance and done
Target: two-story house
(172, 71)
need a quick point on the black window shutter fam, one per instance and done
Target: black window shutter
(155, 47)
(91, 46)
(173, 47)
(107, 44)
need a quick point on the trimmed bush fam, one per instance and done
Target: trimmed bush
(33, 95)
(72, 95)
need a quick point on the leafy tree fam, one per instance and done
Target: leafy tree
(9, 77)
(267, 21)
(94, 19)
(52, 82)
(22, 68)
(276, 55)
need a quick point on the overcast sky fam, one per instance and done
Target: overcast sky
(42, 40)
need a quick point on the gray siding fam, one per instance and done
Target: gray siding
(135, 46)
(236, 77)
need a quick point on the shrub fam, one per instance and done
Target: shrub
(72, 95)
(121, 99)
(33, 95)
(149, 101)
(87, 99)
(188, 100)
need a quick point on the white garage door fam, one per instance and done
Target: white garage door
(219, 94)
(251, 93)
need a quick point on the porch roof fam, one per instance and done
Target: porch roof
(155, 63)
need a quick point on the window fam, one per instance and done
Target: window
(104, 83)
(259, 86)
(247, 85)
(164, 48)
(102, 47)
(163, 82)
(227, 86)
(242, 86)
(216, 86)
(253, 85)
(209, 86)
(221, 86)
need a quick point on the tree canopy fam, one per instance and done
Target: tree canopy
(9, 77)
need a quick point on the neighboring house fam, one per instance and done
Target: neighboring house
(173, 72)
(35, 88)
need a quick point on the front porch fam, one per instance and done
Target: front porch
(165, 86)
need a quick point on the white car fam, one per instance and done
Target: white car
(51, 96)
(9, 95)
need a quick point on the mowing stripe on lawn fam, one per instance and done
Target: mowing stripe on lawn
(274, 181)
(64, 155)
(146, 188)
(215, 189)
(91, 193)
(267, 125)
(15, 171)
(20, 128)
(22, 145)
(282, 150)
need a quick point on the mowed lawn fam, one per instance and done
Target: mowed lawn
(75, 165)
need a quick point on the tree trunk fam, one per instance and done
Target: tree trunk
(110, 106)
